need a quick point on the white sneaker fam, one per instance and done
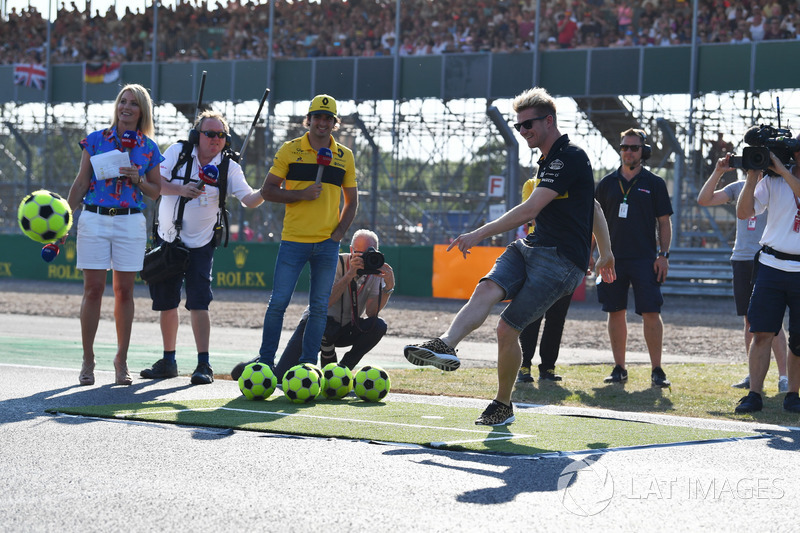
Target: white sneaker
(783, 384)
(744, 384)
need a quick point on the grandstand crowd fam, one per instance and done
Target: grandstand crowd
(337, 28)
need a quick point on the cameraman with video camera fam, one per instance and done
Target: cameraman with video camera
(363, 284)
(777, 264)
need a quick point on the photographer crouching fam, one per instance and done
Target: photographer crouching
(363, 284)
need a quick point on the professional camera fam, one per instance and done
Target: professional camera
(373, 261)
(763, 140)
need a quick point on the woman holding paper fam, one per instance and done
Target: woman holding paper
(112, 231)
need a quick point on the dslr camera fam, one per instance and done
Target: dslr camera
(373, 261)
(762, 140)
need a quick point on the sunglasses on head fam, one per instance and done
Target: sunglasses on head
(631, 147)
(528, 124)
(212, 134)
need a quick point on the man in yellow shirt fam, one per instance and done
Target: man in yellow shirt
(313, 225)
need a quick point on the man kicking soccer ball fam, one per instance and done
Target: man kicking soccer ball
(536, 271)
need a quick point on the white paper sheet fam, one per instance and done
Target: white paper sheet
(107, 165)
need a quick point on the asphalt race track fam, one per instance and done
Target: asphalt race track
(75, 474)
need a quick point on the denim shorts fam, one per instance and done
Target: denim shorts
(639, 274)
(533, 279)
(111, 242)
(774, 290)
(166, 294)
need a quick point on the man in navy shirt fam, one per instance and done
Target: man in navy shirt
(637, 207)
(535, 271)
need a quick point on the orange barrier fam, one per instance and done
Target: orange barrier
(456, 277)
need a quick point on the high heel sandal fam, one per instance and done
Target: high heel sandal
(123, 376)
(86, 377)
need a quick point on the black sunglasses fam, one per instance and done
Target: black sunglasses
(631, 147)
(212, 134)
(528, 124)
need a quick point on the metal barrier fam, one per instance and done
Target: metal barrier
(699, 272)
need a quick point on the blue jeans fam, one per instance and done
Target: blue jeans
(322, 257)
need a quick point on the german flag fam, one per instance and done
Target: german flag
(101, 72)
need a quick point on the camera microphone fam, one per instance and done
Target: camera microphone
(49, 252)
(753, 136)
(128, 140)
(324, 158)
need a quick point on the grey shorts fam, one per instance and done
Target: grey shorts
(533, 278)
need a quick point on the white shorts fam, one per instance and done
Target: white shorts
(106, 242)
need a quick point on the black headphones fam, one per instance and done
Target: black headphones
(647, 150)
(194, 136)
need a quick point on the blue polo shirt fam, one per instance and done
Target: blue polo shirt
(119, 192)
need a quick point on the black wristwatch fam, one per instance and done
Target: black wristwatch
(665, 255)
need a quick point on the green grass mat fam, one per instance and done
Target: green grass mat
(437, 426)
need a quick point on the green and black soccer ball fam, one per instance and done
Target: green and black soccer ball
(44, 216)
(257, 381)
(338, 381)
(302, 383)
(372, 384)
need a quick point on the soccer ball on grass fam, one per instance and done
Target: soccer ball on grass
(372, 383)
(44, 216)
(338, 381)
(302, 383)
(257, 381)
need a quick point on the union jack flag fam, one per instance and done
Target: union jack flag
(30, 75)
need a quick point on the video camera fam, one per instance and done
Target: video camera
(373, 261)
(762, 140)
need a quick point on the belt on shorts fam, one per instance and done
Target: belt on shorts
(780, 255)
(112, 211)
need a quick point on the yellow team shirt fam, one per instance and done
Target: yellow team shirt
(527, 190)
(296, 163)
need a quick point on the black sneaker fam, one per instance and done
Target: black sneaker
(659, 379)
(236, 373)
(497, 414)
(161, 369)
(327, 358)
(524, 375)
(750, 403)
(791, 402)
(434, 353)
(548, 374)
(618, 375)
(203, 374)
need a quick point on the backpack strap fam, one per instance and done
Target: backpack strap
(184, 159)
(222, 185)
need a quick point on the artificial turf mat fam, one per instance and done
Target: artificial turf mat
(447, 427)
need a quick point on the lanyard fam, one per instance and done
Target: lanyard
(626, 193)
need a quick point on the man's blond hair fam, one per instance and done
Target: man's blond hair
(537, 98)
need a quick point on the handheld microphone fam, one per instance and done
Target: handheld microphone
(209, 174)
(128, 140)
(49, 252)
(324, 158)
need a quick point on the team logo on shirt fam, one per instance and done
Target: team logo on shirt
(556, 164)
